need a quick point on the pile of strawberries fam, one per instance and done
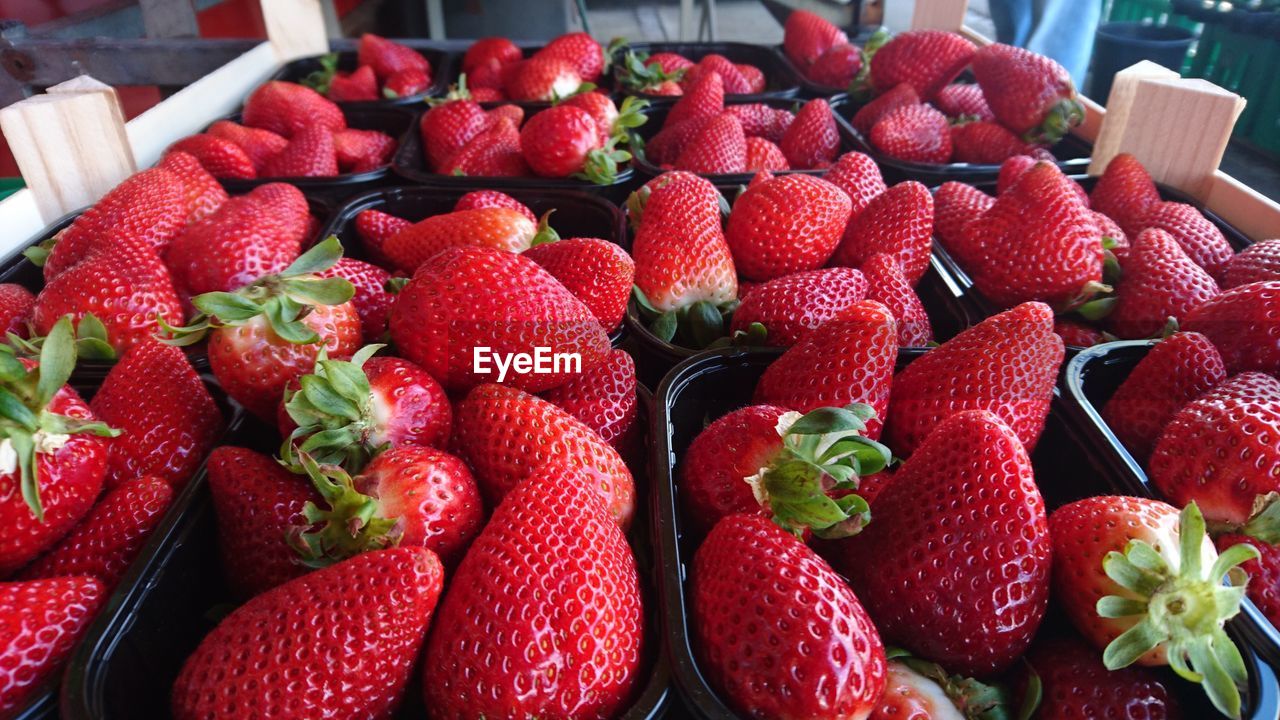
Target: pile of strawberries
(672, 74)
(495, 69)
(822, 53)
(384, 70)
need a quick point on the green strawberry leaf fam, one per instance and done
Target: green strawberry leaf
(57, 360)
(282, 314)
(318, 291)
(664, 327)
(322, 256)
(227, 307)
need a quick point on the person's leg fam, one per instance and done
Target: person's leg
(1064, 31)
(1012, 19)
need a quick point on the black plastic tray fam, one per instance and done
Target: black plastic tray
(781, 80)
(132, 653)
(1068, 467)
(1089, 381)
(441, 70)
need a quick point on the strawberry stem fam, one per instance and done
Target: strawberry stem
(333, 409)
(351, 524)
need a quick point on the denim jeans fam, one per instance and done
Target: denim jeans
(1060, 29)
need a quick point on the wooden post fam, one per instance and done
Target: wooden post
(1119, 103)
(70, 145)
(296, 28)
(939, 14)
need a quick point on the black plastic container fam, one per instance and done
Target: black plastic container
(1089, 381)
(705, 387)
(781, 80)
(131, 655)
(441, 71)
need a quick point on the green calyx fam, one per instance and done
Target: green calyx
(1088, 292)
(756, 335)
(27, 428)
(1183, 609)
(333, 409)
(321, 79)
(615, 46)
(601, 164)
(633, 74)
(630, 116)
(91, 341)
(974, 700)
(823, 452)
(546, 233)
(698, 325)
(38, 254)
(348, 526)
(1264, 520)
(1065, 114)
(860, 88)
(284, 300)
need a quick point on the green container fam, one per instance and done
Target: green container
(9, 186)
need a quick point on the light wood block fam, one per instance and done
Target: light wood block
(1111, 133)
(939, 14)
(296, 28)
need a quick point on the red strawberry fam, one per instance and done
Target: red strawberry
(446, 128)
(754, 76)
(1029, 93)
(1203, 242)
(550, 551)
(1014, 167)
(719, 147)
(358, 86)
(43, 622)
(489, 50)
(600, 107)
(898, 222)
(1264, 573)
(105, 543)
(848, 360)
(493, 153)
(704, 98)
(374, 228)
(1078, 334)
(1076, 684)
(1244, 324)
(983, 142)
(1125, 193)
(544, 78)
(310, 153)
(259, 145)
(925, 59)
(1256, 263)
(918, 689)
(667, 145)
(973, 470)
(1155, 559)
(597, 272)
(666, 88)
(786, 224)
(859, 177)
(670, 63)
(406, 83)
(954, 206)
(16, 305)
(563, 140)
(735, 447)
(753, 584)
(915, 133)
(604, 399)
(166, 437)
(734, 82)
(1113, 238)
(362, 150)
(221, 157)
(888, 286)
(760, 120)
(582, 51)
(812, 140)
(374, 609)
(287, 109)
(837, 67)
(1006, 364)
(204, 194)
(764, 155)
(807, 36)
(963, 100)
(501, 228)
(387, 57)
(901, 95)
(792, 305)
(486, 79)
(1160, 282)
(372, 301)
(478, 199)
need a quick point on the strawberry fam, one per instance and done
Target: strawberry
(1264, 573)
(310, 153)
(963, 100)
(733, 448)
(983, 142)
(387, 57)
(918, 689)
(375, 610)
(859, 177)
(888, 286)
(166, 437)
(787, 224)
(360, 85)
(812, 140)
(489, 50)
(468, 297)
(1256, 263)
(1079, 334)
(1076, 684)
(597, 272)
(764, 155)
(477, 199)
(1203, 242)
(203, 193)
(248, 237)
(754, 77)
(259, 145)
(488, 95)
(667, 145)
(718, 148)
(43, 622)
(1114, 239)
(1160, 282)
(954, 206)
(1125, 192)
(374, 228)
(898, 222)
(807, 36)
(16, 305)
(790, 306)
(837, 67)
(105, 543)
(1244, 324)
(406, 83)
(550, 551)
(55, 451)
(346, 412)
(1014, 167)
(849, 359)
(446, 128)
(752, 584)
(760, 120)
(362, 150)
(1030, 94)
(500, 228)
(563, 141)
(924, 59)
(1006, 364)
(372, 301)
(670, 63)
(734, 82)
(1174, 372)
(604, 399)
(121, 283)
(221, 157)
(703, 98)
(486, 79)
(544, 78)
(600, 107)
(495, 152)
(914, 133)
(901, 95)
(287, 109)
(582, 51)
(1126, 562)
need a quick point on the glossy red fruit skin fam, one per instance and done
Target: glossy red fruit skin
(1020, 86)
(203, 194)
(788, 224)
(1220, 449)
(362, 150)
(1007, 364)
(807, 35)
(16, 305)
(580, 49)
(550, 559)
(760, 120)
(597, 272)
(984, 142)
(446, 128)
(837, 67)
(387, 57)
(432, 492)
(604, 399)
(360, 85)
(1160, 282)
(1244, 324)
(753, 584)
(543, 78)
(372, 301)
(954, 206)
(493, 153)
(754, 77)
(555, 142)
(287, 109)
(354, 629)
(1077, 685)
(925, 59)
(487, 50)
(764, 155)
(734, 82)
(960, 99)
(221, 157)
(680, 250)
(258, 144)
(898, 222)
(168, 434)
(812, 140)
(974, 474)
(849, 359)
(1078, 334)
(1203, 242)
(859, 177)
(70, 480)
(711, 475)
(901, 95)
(704, 98)
(888, 286)
(1264, 574)
(374, 228)
(496, 227)
(109, 538)
(479, 199)
(1125, 192)
(42, 622)
(718, 148)
(414, 406)
(914, 133)
(1257, 263)
(310, 153)
(793, 305)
